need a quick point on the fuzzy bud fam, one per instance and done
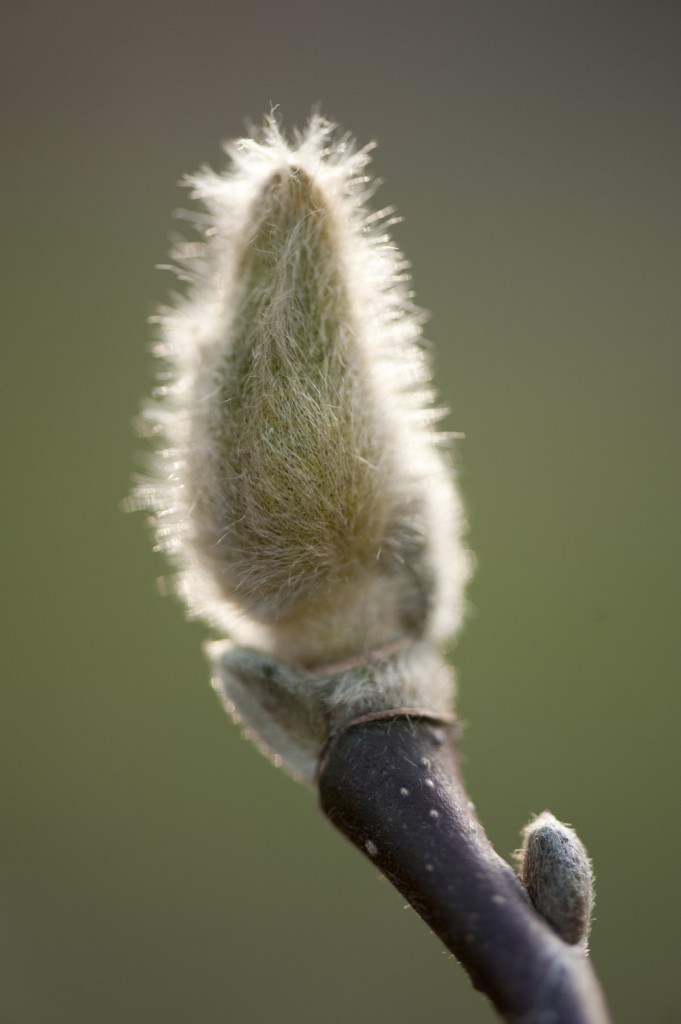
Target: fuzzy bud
(556, 871)
(300, 489)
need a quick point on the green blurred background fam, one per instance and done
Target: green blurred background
(154, 868)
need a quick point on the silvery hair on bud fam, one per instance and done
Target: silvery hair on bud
(300, 487)
(556, 871)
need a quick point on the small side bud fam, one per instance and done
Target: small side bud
(554, 867)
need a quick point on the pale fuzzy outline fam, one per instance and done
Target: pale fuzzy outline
(378, 283)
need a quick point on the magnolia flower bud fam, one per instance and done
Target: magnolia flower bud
(301, 492)
(556, 871)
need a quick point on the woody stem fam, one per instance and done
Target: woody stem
(393, 787)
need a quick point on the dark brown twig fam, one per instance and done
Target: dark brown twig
(393, 787)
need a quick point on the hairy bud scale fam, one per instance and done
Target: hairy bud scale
(300, 489)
